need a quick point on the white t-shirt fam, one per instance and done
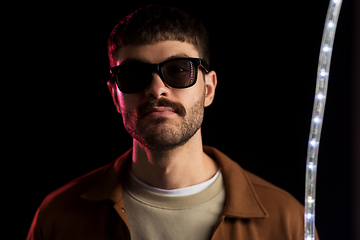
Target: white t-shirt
(186, 191)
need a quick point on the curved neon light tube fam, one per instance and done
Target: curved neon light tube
(318, 115)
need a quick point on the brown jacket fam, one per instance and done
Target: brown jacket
(85, 207)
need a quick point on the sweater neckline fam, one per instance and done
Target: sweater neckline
(180, 192)
(145, 196)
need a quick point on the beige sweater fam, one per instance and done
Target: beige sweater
(154, 216)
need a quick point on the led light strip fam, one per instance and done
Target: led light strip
(318, 115)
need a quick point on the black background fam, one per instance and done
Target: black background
(265, 54)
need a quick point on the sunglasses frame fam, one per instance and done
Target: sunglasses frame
(158, 67)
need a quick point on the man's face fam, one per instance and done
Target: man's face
(161, 117)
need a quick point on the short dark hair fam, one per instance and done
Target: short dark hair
(156, 23)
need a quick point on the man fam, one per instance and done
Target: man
(168, 186)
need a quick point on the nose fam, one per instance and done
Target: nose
(157, 88)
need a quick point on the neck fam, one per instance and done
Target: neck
(183, 166)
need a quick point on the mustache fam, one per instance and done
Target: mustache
(162, 102)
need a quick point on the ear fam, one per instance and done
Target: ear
(210, 86)
(115, 96)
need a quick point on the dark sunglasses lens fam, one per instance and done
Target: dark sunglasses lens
(133, 78)
(180, 73)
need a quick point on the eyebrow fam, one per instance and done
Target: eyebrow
(136, 60)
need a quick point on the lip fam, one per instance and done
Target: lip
(159, 112)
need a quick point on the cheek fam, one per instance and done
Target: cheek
(195, 93)
(128, 102)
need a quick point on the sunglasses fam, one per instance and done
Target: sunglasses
(136, 76)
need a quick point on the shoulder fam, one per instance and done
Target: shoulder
(273, 197)
(63, 206)
(96, 185)
(243, 186)
(72, 190)
(267, 193)
(79, 203)
(284, 210)
(272, 212)
(68, 197)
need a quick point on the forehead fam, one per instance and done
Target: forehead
(156, 52)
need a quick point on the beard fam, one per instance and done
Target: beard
(163, 133)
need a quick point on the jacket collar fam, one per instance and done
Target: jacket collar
(241, 198)
(108, 186)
